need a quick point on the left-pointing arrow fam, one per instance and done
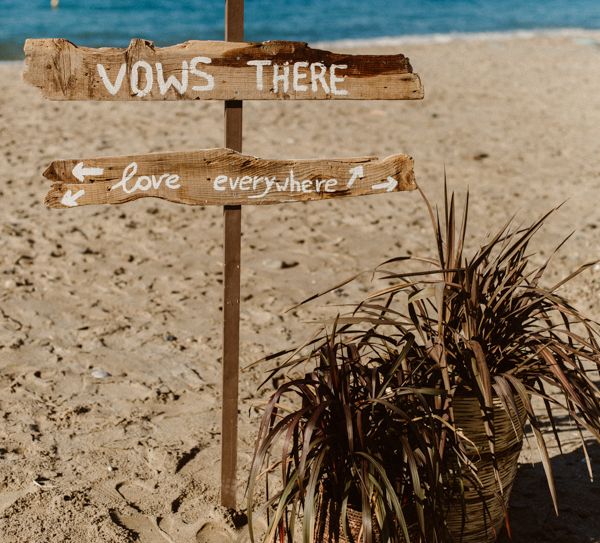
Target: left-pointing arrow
(80, 171)
(69, 199)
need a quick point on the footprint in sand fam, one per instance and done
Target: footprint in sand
(8, 498)
(213, 532)
(145, 526)
(260, 527)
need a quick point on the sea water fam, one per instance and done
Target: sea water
(115, 22)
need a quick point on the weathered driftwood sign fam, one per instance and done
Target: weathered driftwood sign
(215, 70)
(222, 177)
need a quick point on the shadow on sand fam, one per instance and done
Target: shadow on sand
(532, 516)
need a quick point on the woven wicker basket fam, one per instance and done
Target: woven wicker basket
(477, 516)
(324, 534)
(323, 528)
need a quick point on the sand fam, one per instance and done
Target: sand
(135, 291)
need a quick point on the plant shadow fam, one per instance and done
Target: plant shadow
(532, 516)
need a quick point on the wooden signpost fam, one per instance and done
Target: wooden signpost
(231, 71)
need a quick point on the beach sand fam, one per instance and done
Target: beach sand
(136, 290)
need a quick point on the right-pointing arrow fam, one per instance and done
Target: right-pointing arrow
(389, 184)
(69, 199)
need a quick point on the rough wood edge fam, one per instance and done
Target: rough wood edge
(51, 173)
(137, 44)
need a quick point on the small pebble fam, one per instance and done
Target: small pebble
(42, 482)
(100, 374)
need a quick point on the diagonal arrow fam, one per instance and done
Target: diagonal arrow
(80, 171)
(389, 184)
(357, 172)
(69, 199)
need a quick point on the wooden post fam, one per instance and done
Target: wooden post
(234, 31)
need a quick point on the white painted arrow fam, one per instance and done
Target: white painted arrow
(69, 199)
(80, 171)
(389, 184)
(357, 172)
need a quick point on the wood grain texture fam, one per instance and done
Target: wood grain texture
(193, 178)
(64, 71)
(232, 253)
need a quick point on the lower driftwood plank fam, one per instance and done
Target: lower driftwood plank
(222, 177)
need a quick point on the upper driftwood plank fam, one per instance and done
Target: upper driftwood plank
(215, 70)
(221, 177)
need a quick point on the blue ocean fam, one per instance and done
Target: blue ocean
(115, 22)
